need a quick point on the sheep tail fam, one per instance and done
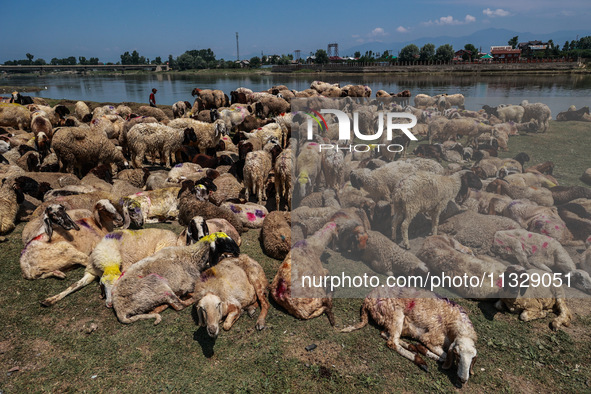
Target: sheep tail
(361, 324)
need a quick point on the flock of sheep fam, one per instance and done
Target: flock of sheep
(82, 183)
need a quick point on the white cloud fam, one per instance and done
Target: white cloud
(378, 32)
(449, 20)
(401, 29)
(498, 12)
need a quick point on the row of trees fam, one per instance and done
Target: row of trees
(205, 58)
(570, 49)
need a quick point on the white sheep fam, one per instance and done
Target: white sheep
(180, 108)
(283, 182)
(257, 167)
(441, 325)
(79, 147)
(428, 193)
(385, 257)
(116, 252)
(535, 301)
(155, 137)
(81, 110)
(208, 134)
(308, 166)
(170, 273)
(58, 248)
(288, 288)
(538, 112)
(228, 288)
(444, 254)
(15, 115)
(155, 205)
(251, 215)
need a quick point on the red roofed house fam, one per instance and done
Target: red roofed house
(505, 53)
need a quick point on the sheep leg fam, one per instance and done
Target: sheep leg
(260, 291)
(532, 315)
(419, 348)
(234, 312)
(144, 316)
(57, 273)
(404, 230)
(86, 280)
(394, 342)
(396, 220)
(564, 314)
(435, 221)
(277, 196)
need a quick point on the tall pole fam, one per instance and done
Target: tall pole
(237, 48)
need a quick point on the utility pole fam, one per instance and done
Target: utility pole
(237, 48)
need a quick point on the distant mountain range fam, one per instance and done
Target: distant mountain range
(482, 39)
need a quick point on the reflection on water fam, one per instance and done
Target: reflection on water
(555, 90)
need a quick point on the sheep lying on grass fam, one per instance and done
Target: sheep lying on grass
(57, 249)
(442, 253)
(531, 250)
(536, 301)
(276, 234)
(155, 205)
(441, 325)
(228, 288)
(307, 255)
(170, 273)
(116, 252)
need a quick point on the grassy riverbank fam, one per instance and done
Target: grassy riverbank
(56, 349)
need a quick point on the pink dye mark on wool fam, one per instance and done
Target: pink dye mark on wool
(534, 248)
(529, 235)
(545, 245)
(251, 217)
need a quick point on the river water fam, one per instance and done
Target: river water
(558, 91)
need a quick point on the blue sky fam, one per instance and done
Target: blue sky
(108, 28)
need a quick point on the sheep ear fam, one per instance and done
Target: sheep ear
(205, 228)
(472, 365)
(97, 217)
(450, 357)
(47, 225)
(200, 317)
(190, 236)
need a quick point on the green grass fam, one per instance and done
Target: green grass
(54, 352)
(566, 144)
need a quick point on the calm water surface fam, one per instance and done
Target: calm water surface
(558, 91)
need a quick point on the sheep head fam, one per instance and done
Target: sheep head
(464, 352)
(220, 244)
(210, 312)
(132, 213)
(106, 216)
(220, 128)
(196, 230)
(56, 214)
